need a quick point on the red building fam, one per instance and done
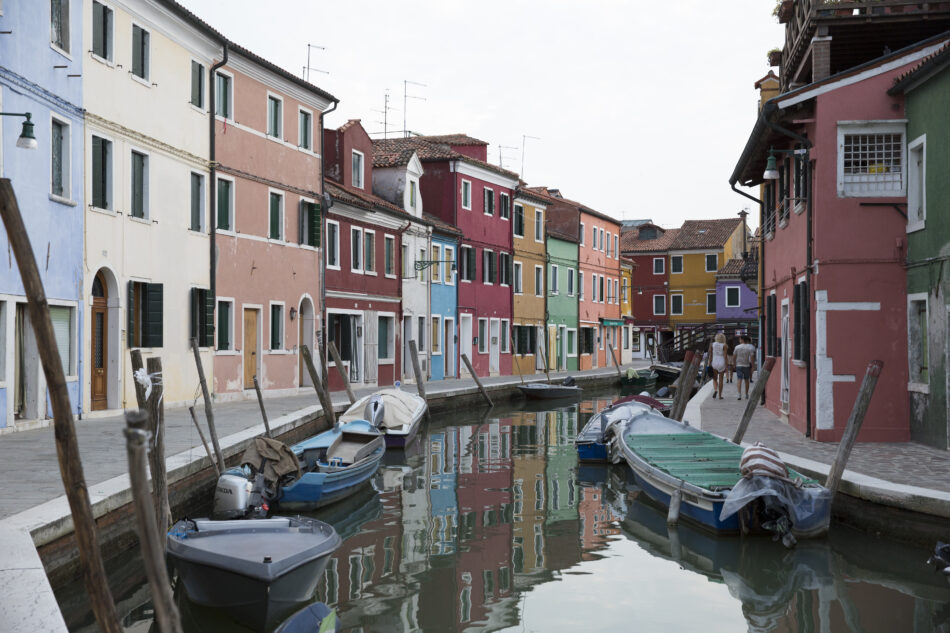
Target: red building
(461, 188)
(362, 241)
(647, 246)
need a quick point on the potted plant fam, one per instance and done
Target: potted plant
(784, 10)
(775, 57)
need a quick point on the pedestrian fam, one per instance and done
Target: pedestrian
(744, 352)
(717, 351)
(730, 359)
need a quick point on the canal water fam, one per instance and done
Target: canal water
(488, 523)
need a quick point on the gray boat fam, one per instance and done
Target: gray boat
(259, 570)
(545, 391)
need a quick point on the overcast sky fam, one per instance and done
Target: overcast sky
(640, 108)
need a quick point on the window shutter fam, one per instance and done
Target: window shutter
(137, 51)
(98, 175)
(797, 326)
(195, 320)
(224, 204)
(138, 169)
(196, 84)
(315, 224)
(152, 328)
(274, 217)
(98, 30)
(60, 318)
(208, 325)
(130, 315)
(302, 226)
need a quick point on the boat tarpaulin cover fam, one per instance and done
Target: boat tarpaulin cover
(399, 408)
(807, 505)
(272, 458)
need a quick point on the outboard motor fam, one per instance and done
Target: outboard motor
(237, 497)
(375, 410)
(569, 381)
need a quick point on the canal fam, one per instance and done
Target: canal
(488, 523)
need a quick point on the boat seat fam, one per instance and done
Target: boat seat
(350, 448)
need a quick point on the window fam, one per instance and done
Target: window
(602, 246)
(616, 291)
(504, 204)
(436, 268)
(102, 17)
(225, 328)
(412, 194)
(421, 339)
(449, 263)
(276, 327)
(197, 202)
(504, 268)
(64, 333)
(593, 237)
(421, 274)
(140, 52)
(538, 281)
(386, 337)
(526, 339)
(570, 282)
(580, 285)
(202, 317)
(710, 303)
(581, 233)
(223, 101)
(276, 216)
(538, 225)
(274, 116)
(609, 244)
(801, 317)
(870, 159)
(802, 179)
(304, 129)
(919, 345)
(369, 252)
(101, 173)
(466, 194)
(554, 279)
(916, 184)
(572, 342)
(389, 254)
(197, 85)
(784, 204)
(676, 264)
(489, 205)
(467, 263)
(617, 246)
(712, 263)
(517, 226)
(517, 278)
(624, 290)
(732, 296)
(659, 265)
(310, 221)
(505, 337)
(483, 336)
(59, 158)
(139, 185)
(601, 290)
(436, 334)
(59, 24)
(587, 340)
(489, 267)
(771, 335)
(593, 287)
(404, 252)
(225, 203)
(356, 250)
(144, 314)
(626, 337)
(659, 305)
(676, 304)
(357, 171)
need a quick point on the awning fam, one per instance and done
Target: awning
(610, 322)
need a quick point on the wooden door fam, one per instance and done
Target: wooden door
(99, 344)
(250, 347)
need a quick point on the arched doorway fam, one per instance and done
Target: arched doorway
(305, 325)
(99, 345)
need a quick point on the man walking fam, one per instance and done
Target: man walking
(744, 352)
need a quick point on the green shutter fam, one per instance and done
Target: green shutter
(274, 217)
(138, 169)
(196, 76)
(137, 65)
(224, 205)
(152, 327)
(315, 224)
(130, 315)
(98, 175)
(224, 323)
(195, 202)
(98, 30)
(195, 312)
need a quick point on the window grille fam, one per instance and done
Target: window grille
(872, 163)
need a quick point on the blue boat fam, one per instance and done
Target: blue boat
(591, 442)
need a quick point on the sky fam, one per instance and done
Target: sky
(639, 109)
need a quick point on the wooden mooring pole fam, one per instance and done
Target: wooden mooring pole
(752, 399)
(156, 456)
(335, 355)
(64, 428)
(687, 387)
(613, 355)
(417, 369)
(209, 411)
(514, 354)
(260, 402)
(478, 382)
(204, 442)
(323, 392)
(680, 380)
(855, 420)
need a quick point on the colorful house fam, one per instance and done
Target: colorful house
(528, 281)
(363, 244)
(626, 309)
(926, 91)
(737, 299)
(562, 323)
(834, 248)
(647, 246)
(443, 300)
(42, 58)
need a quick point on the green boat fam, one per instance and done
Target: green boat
(640, 378)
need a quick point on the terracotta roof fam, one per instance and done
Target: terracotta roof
(556, 197)
(732, 267)
(920, 71)
(630, 242)
(348, 125)
(771, 76)
(527, 194)
(394, 150)
(441, 225)
(704, 234)
(361, 199)
(452, 139)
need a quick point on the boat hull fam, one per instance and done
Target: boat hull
(317, 489)
(401, 440)
(549, 392)
(592, 452)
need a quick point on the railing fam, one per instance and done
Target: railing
(697, 338)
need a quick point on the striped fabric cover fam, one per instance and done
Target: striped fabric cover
(762, 460)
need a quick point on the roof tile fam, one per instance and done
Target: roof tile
(704, 234)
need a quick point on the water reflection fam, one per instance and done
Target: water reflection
(488, 523)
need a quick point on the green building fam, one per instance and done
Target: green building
(562, 294)
(926, 91)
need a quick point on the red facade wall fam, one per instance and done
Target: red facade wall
(644, 280)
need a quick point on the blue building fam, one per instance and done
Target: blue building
(444, 300)
(41, 67)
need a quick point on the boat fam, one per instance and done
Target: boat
(639, 378)
(667, 371)
(314, 618)
(401, 416)
(259, 570)
(663, 405)
(591, 442)
(704, 472)
(545, 391)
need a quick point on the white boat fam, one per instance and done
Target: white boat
(401, 414)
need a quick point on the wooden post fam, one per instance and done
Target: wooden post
(137, 364)
(335, 355)
(854, 425)
(151, 538)
(544, 358)
(673, 515)
(752, 399)
(204, 442)
(678, 383)
(260, 401)
(209, 412)
(478, 382)
(156, 409)
(613, 356)
(318, 386)
(417, 370)
(686, 388)
(64, 429)
(514, 354)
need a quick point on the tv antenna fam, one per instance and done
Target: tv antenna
(405, 98)
(385, 113)
(524, 141)
(306, 69)
(501, 162)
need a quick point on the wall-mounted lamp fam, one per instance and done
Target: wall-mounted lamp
(771, 170)
(27, 140)
(422, 264)
(293, 313)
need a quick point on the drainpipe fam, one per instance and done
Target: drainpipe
(212, 185)
(322, 265)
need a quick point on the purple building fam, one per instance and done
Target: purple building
(736, 299)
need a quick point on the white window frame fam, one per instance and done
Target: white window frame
(738, 302)
(682, 265)
(663, 312)
(435, 270)
(609, 245)
(70, 367)
(539, 226)
(278, 134)
(110, 174)
(514, 225)
(616, 247)
(386, 239)
(848, 128)
(917, 195)
(570, 282)
(277, 192)
(413, 193)
(67, 4)
(404, 261)
(487, 256)
(538, 281)
(467, 195)
(501, 275)
(357, 230)
(580, 285)
(449, 276)
(366, 271)
(501, 206)
(706, 262)
(229, 116)
(603, 247)
(571, 349)
(616, 291)
(594, 288)
(66, 163)
(713, 295)
(582, 234)
(554, 280)
(229, 350)
(309, 113)
(109, 37)
(504, 327)
(682, 306)
(517, 278)
(353, 154)
(270, 330)
(485, 193)
(662, 261)
(391, 343)
(146, 210)
(482, 340)
(435, 350)
(232, 195)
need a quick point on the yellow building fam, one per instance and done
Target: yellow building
(697, 253)
(528, 281)
(626, 310)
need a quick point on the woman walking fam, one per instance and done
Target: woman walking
(717, 352)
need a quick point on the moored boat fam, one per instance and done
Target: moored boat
(667, 371)
(639, 378)
(545, 391)
(400, 418)
(591, 441)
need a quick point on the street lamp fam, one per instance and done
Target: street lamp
(27, 140)
(771, 170)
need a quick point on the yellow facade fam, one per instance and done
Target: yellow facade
(528, 289)
(697, 280)
(626, 284)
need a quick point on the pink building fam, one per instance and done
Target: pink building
(834, 243)
(267, 208)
